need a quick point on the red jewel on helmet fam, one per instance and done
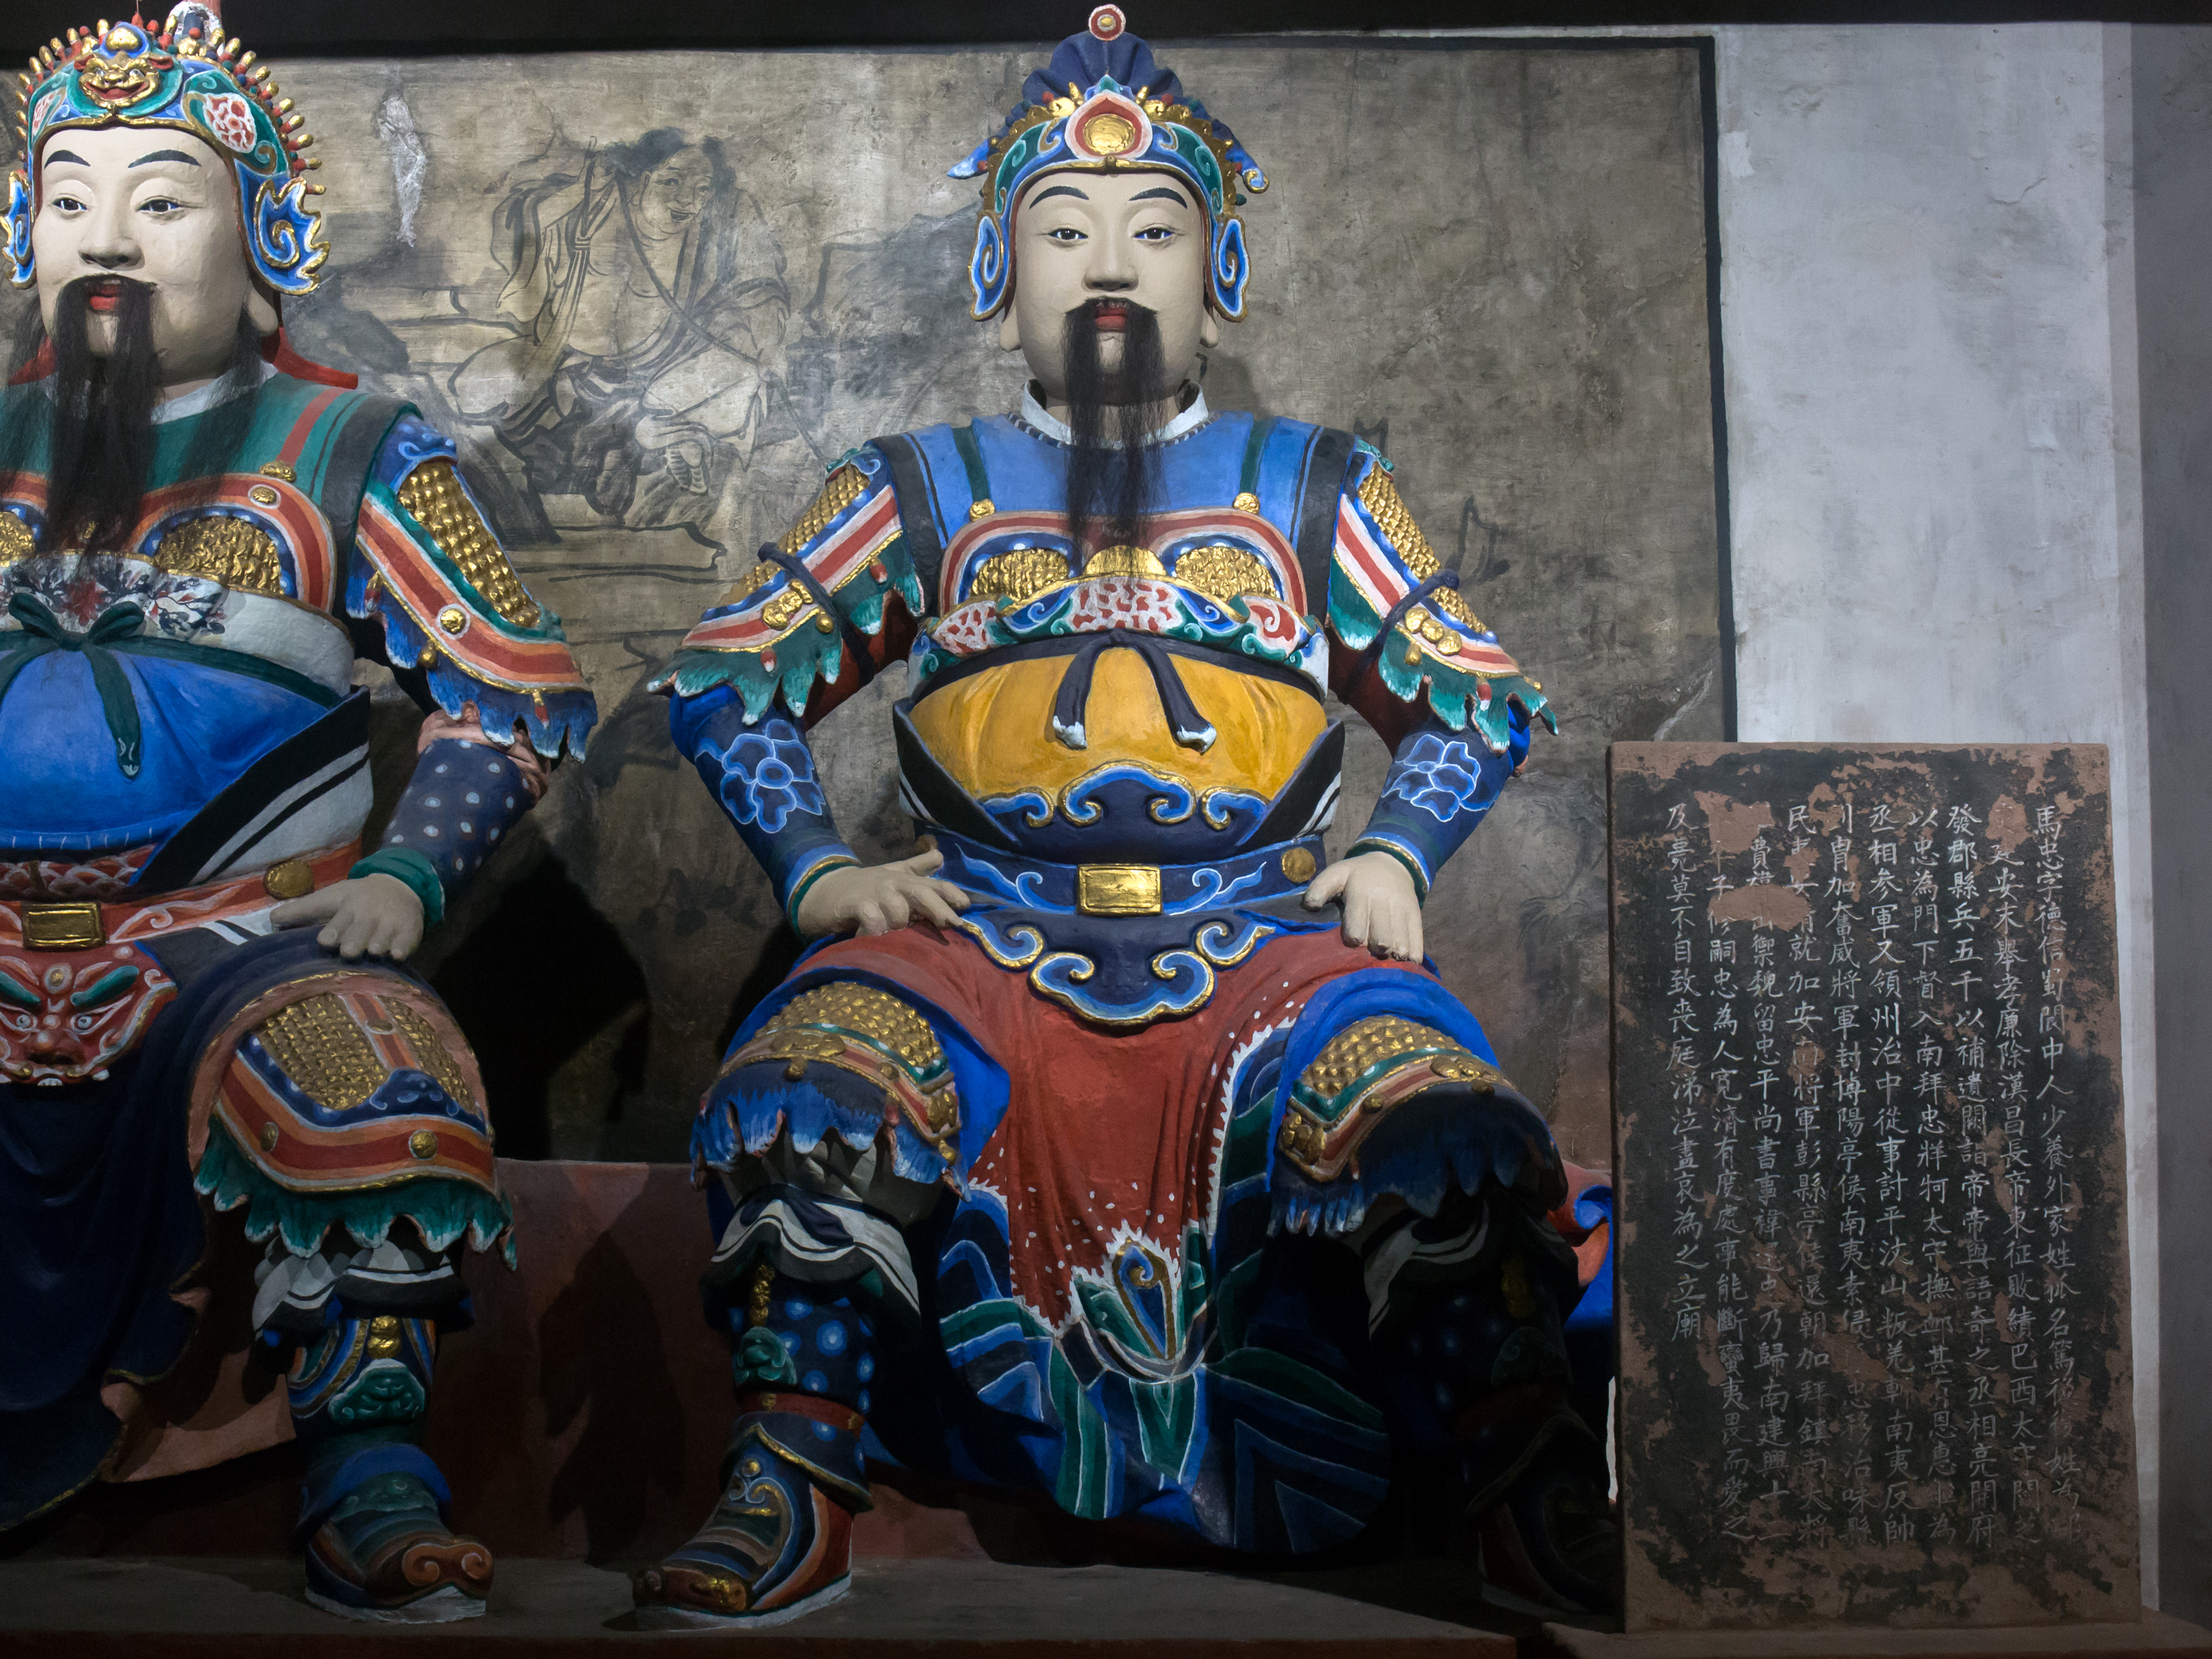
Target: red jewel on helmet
(1108, 22)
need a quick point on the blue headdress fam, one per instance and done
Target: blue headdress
(1101, 106)
(186, 74)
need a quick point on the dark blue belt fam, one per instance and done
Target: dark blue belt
(1129, 890)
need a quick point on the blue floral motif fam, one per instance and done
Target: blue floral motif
(1441, 775)
(767, 774)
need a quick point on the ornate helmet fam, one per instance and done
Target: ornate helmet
(191, 76)
(1101, 106)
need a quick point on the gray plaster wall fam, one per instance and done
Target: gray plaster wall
(2170, 84)
(1929, 319)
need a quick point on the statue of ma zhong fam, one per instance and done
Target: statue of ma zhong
(200, 988)
(1208, 1200)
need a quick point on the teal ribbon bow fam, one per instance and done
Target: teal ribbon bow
(43, 633)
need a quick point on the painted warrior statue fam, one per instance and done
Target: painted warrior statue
(201, 994)
(1209, 1199)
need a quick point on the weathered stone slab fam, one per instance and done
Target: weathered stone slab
(1873, 1269)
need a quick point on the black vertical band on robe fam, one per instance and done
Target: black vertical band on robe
(1320, 487)
(917, 495)
(1191, 729)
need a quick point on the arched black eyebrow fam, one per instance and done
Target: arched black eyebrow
(54, 155)
(164, 156)
(1058, 190)
(1162, 193)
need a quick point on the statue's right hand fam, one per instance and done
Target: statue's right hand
(875, 898)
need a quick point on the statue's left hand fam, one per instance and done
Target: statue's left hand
(379, 914)
(1382, 909)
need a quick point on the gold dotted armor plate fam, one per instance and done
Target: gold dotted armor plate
(1352, 1052)
(16, 541)
(321, 1047)
(1223, 572)
(1018, 574)
(883, 1018)
(432, 495)
(232, 552)
(843, 487)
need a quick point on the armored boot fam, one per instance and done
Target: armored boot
(780, 1543)
(373, 1519)
(1482, 1376)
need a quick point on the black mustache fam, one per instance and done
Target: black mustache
(80, 291)
(1091, 310)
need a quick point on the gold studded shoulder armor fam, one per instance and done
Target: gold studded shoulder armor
(1365, 1071)
(345, 1081)
(432, 496)
(427, 567)
(839, 491)
(1414, 645)
(872, 1035)
(1378, 494)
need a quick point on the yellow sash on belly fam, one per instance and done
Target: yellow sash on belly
(992, 730)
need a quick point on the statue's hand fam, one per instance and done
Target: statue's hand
(379, 914)
(1381, 910)
(875, 898)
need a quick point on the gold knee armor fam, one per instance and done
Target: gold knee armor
(1366, 1070)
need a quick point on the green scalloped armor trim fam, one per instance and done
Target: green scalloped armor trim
(804, 654)
(1452, 691)
(442, 1210)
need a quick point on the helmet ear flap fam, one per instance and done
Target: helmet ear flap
(16, 222)
(990, 267)
(1229, 269)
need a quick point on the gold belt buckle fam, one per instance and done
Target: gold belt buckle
(1118, 890)
(63, 927)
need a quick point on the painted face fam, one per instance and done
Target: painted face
(675, 194)
(156, 206)
(1084, 236)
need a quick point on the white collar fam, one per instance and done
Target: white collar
(1033, 415)
(221, 389)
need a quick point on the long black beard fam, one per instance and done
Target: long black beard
(101, 434)
(1113, 474)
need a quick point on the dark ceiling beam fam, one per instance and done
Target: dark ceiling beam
(293, 28)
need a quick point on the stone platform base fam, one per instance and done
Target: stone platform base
(2156, 1638)
(208, 1608)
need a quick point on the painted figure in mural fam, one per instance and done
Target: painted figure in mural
(649, 298)
(1152, 1125)
(201, 994)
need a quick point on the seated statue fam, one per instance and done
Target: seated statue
(1207, 1199)
(201, 994)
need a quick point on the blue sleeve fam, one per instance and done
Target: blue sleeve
(458, 805)
(763, 777)
(1440, 784)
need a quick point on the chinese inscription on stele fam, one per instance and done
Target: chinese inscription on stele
(1873, 1261)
